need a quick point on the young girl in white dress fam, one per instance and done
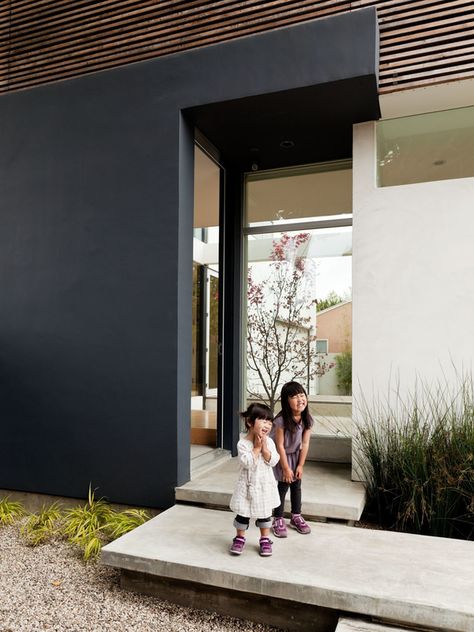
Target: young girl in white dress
(256, 492)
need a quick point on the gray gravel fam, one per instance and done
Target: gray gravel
(50, 588)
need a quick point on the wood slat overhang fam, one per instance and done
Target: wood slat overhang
(421, 41)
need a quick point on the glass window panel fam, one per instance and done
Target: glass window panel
(299, 194)
(290, 276)
(197, 377)
(206, 193)
(205, 314)
(426, 147)
(321, 346)
(213, 316)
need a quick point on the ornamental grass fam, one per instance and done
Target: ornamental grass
(416, 453)
(87, 526)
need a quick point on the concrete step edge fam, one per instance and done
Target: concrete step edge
(208, 461)
(349, 624)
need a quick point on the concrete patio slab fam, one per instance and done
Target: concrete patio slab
(406, 579)
(328, 491)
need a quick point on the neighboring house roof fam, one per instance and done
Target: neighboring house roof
(329, 309)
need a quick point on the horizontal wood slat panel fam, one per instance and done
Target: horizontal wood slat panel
(421, 41)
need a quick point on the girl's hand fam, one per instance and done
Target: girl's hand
(288, 475)
(267, 455)
(299, 472)
(257, 442)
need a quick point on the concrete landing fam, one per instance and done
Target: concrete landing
(328, 491)
(406, 579)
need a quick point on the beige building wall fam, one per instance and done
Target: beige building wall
(335, 325)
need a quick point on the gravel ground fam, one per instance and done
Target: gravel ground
(50, 588)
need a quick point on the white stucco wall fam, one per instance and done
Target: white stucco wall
(413, 277)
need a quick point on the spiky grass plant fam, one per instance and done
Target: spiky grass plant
(10, 511)
(121, 522)
(85, 525)
(96, 523)
(44, 525)
(417, 456)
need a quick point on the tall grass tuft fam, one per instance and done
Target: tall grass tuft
(10, 511)
(122, 522)
(416, 454)
(44, 525)
(85, 525)
(92, 525)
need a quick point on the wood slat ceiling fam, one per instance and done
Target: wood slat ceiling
(421, 41)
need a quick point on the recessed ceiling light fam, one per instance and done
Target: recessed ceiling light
(287, 144)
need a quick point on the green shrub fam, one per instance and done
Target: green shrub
(417, 457)
(10, 511)
(344, 372)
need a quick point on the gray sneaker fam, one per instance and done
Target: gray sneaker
(279, 528)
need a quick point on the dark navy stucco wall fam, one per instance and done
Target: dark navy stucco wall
(96, 251)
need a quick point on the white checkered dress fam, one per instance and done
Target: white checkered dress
(256, 492)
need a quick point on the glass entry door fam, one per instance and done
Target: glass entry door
(206, 326)
(298, 311)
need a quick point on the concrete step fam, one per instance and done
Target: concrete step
(335, 571)
(346, 624)
(328, 491)
(205, 459)
(331, 440)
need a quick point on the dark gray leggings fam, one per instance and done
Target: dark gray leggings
(295, 497)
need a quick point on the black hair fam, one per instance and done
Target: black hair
(254, 412)
(289, 390)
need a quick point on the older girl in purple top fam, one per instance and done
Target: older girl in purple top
(291, 433)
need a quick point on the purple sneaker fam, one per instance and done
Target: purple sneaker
(298, 522)
(238, 544)
(279, 528)
(265, 547)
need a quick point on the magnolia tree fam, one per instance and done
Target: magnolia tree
(281, 321)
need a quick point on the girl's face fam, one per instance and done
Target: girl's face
(262, 427)
(298, 403)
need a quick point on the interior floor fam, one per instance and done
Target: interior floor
(204, 428)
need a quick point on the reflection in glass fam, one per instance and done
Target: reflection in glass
(205, 303)
(213, 330)
(197, 373)
(298, 293)
(299, 194)
(426, 147)
(298, 305)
